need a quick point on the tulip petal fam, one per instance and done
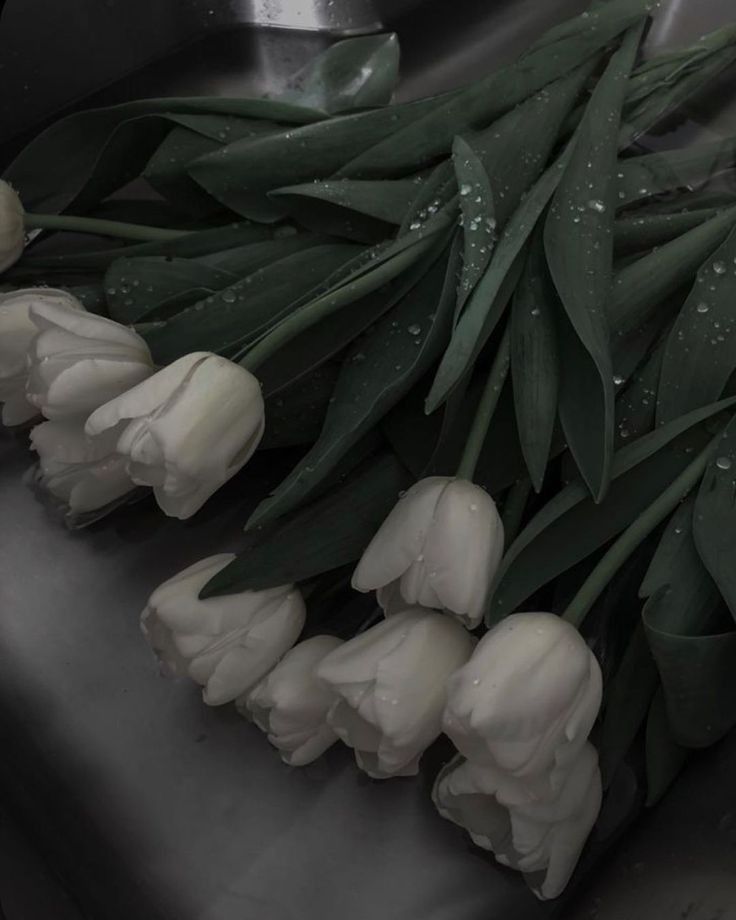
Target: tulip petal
(147, 396)
(400, 539)
(463, 549)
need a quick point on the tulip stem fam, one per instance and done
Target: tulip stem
(633, 536)
(99, 227)
(485, 410)
(323, 306)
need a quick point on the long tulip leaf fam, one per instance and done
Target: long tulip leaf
(578, 240)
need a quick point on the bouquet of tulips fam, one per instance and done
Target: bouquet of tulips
(497, 335)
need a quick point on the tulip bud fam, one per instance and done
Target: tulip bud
(541, 836)
(78, 361)
(226, 644)
(290, 704)
(528, 697)
(441, 546)
(84, 474)
(391, 687)
(12, 231)
(17, 331)
(191, 426)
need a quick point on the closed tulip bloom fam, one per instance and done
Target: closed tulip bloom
(12, 231)
(190, 427)
(390, 683)
(290, 704)
(225, 644)
(439, 547)
(17, 331)
(81, 473)
(528, 697)
(78, 361)
(541, 836)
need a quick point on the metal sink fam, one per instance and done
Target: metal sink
(149, 804)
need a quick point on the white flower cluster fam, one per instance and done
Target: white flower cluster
(518, 706)
(113, 422)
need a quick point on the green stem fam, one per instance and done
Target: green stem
(634, 534)
(485, 410)
(113, 228)
(513, 508)
(329, 303)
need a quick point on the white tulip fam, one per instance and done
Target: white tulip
(82, 473)
(290, 704)
(12, 231)
(391, 686)
(226, 644)
(78, 361)
(17, 331)
(439, 547)
(541, 835)
(191, 426)
(528, 697)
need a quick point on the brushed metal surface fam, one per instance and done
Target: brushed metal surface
(152, 805)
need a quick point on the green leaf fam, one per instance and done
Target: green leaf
(578, 240)
(386, 201)
(320, 342)
(295, 417)
(646, 176)
(517, 147)
(715, 517)
(245, 309)
(627, 700)
(633, 234)
(700, 355)
(137, 287)
(534, 361)
(351, 74)
(571, 525)
(380, 368)
(99, 150)
(641, 287)
(635, 406)
(698, 674)
(486, 304)
(477, 105)
(478, 216)
(240, 175)
(192, 245)
(330, 532)
(664, 756)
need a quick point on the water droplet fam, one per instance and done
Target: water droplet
(624, 432)
(112, 292)
(536, 311)
(702, 307)
(618, 380)
(723, 463)
(414, 329)
(472, 507)
(476, 681)
(229, 296)
(595, 204)
(358, 357)
(465, 189)
(433, 574)
(719, 268)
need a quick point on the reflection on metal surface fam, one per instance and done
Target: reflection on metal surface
(343, 17)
